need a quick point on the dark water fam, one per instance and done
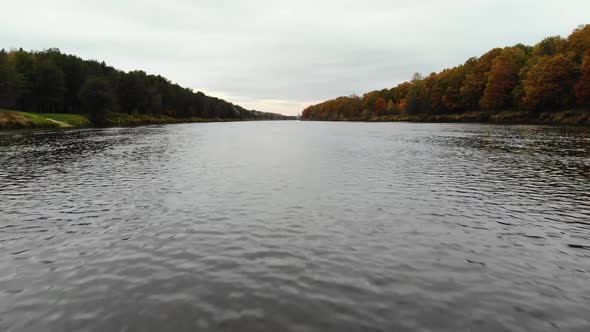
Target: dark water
(292, 226)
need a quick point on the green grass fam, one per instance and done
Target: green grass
(74, 120)
(14, 119)
(10, 119)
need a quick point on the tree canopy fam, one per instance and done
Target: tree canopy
(552, 76)
(50, 81)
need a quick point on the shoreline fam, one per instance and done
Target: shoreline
(15, 120)
(564, 118)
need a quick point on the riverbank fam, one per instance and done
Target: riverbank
(27, 120)
(565, 118)
(20, 120)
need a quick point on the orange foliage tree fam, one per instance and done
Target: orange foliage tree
(380, 106)
(474, 84)
(549, 85)
(583, 85)
(579, 42)
(503, 78)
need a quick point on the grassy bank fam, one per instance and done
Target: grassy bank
(570, 118)
(22, 120)
(15, 120)
(124, 119)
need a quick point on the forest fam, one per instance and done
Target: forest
(513, 83)
(49, 81)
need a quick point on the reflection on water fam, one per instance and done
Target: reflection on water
(275, 226)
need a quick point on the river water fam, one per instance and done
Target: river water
(296, 226)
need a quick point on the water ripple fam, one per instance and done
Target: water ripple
(295, 226)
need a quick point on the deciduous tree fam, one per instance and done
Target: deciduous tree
(97, 97)
(583, 86)
(549, 85)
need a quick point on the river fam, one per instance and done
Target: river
(295, 226)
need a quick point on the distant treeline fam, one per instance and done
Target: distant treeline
(52, 82)
(552, 76)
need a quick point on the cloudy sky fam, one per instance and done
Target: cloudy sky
(281, 56)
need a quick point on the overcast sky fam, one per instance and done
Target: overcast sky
(280, 56)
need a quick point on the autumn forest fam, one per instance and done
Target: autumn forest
(516, 83)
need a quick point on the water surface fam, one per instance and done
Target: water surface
(296, 226)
